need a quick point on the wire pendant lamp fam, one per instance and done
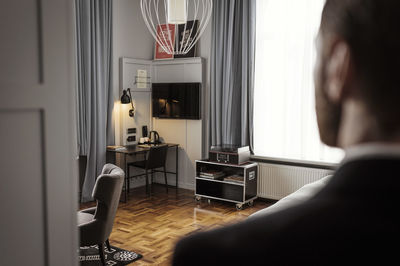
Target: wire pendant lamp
(176, 25)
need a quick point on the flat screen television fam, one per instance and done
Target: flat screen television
(176, 100)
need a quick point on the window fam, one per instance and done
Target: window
(285, 124)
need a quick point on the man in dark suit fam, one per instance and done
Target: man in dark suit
(353, 219)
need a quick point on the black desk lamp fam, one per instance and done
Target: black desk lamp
(126, 99)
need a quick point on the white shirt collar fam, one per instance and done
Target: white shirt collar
(374, 150)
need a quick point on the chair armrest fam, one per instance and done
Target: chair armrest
(91, 210)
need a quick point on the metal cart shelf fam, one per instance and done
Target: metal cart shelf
(240, 193)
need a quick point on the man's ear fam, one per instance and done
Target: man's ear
(338, 71)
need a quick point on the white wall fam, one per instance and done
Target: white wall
(130, 39)
(187, 133)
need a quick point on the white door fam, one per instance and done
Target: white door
(38, 183)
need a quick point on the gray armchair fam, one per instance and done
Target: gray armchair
(95, 224)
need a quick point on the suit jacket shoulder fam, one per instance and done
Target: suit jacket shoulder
(352, 219)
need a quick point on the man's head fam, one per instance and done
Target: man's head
(358, 69)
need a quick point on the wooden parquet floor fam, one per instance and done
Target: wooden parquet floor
(151, 225)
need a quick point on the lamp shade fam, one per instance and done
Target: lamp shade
(125, 99)
(180, 20)
(177, 11)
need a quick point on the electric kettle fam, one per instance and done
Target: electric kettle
(154, 137)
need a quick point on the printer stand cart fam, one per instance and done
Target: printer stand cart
(227, 182)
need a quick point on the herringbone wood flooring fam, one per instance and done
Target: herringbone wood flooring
(151, 225)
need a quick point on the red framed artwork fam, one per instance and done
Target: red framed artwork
(163, 34)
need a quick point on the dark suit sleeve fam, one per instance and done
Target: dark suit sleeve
(185, 249)
(237, 244)
(265, 240)
(215, 247)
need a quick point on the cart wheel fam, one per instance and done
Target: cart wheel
(197, 198)
(250, 203)
(239, 206)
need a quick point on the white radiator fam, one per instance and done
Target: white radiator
(277, 181)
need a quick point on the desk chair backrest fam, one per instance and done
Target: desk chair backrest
(107, 192)
(157, 157)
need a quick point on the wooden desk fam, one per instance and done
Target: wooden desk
(124, 151)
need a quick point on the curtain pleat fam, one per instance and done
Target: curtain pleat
(232, 72)
(94, 90)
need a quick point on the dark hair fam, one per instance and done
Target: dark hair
(372, 30)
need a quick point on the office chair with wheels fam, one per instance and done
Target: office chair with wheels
(156, 158)
(95, 224)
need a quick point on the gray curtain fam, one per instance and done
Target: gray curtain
(94, 89)
(232, 72)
